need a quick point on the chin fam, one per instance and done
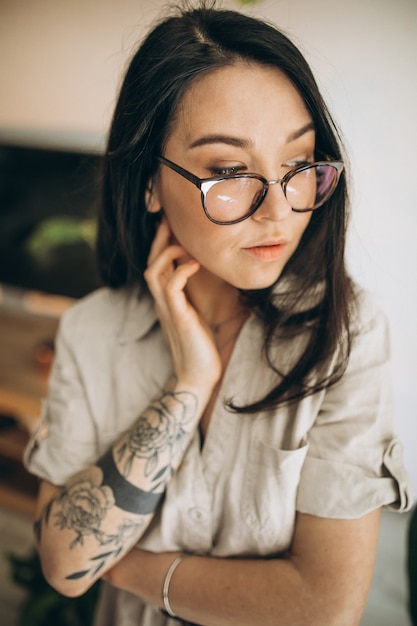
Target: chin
(258, 283)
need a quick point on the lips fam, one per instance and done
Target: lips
(267, 250)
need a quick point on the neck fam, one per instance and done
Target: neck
(216, 301)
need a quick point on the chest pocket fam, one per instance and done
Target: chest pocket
(269, 491)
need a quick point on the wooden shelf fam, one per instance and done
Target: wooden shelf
(14, 500)
(13, 440)
(23, 381)
(28, 324)
(18, 488)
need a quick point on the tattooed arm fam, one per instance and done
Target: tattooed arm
(89, 524)
(100, 514)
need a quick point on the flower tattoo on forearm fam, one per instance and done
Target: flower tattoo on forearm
(83, 506)
(158, 439)
(161, 429)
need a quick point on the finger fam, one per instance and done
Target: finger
(178, 280)
(161, 240)
(170, 283)
(164, 263)
(158, 274)
(168, 290)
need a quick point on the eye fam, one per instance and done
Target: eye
(226, 170)
(304, 159)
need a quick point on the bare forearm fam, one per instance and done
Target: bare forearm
(214, 592)
(275, 592)
(226, 592)
(325, 580)
(102, 512)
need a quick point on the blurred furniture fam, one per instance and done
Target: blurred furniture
(28, 324)
(48, 203)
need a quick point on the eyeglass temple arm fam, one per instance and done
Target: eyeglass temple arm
(182, 172)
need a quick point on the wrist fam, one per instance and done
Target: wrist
(201, 390)
(168, 610)
(142, 573)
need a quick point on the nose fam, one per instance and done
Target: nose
(275, 205)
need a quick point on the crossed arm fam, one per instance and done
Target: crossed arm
(324, 581)
(83, 528)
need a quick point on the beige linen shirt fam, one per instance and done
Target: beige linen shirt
(333, 454)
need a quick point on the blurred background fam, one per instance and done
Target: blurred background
(61, 63)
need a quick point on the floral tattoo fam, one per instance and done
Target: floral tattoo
(159, 430)
(83, 505)
(159, 437)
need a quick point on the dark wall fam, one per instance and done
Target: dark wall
(37, 186)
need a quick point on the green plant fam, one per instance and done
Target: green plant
(60, 230)
(45, 606)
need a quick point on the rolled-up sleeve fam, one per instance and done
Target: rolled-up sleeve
(354, 461)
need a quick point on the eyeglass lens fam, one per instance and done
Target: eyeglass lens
(231, 199)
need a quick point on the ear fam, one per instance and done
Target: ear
(152, 202)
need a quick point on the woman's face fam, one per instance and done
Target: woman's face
(245, 118)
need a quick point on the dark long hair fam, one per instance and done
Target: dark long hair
(180, 49)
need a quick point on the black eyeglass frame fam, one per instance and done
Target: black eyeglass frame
(199, 183)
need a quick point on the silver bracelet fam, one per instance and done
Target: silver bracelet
(165, 588)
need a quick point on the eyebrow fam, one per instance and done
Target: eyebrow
(300, 132)
(240, 142)
(236, 142)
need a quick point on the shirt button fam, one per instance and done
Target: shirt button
(197, 514)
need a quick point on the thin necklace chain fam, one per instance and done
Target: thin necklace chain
(221, 346)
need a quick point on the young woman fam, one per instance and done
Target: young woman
(218, 440)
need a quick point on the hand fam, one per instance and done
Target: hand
(195, 356)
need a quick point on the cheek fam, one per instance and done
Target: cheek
(303, 222)
(187, 229)
(212, 245)
(186, 217)
(202, 240)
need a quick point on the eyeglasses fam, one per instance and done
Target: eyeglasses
(235, 197)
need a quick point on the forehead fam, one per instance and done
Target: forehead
(241, 98)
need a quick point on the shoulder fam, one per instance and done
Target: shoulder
(102, 303)
(366, 314)
(101, 311)
(369, 330)
(109, 313)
